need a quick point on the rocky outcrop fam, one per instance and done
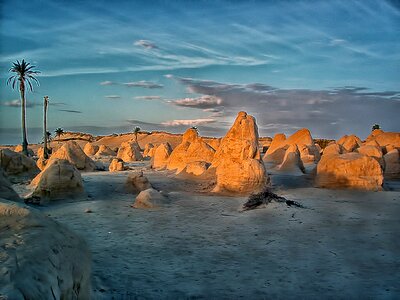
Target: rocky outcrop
(90, 149)
(277, 149)
(19, 149)
(60, 179)
(161, 156)
(116, 165)
(6, 190)
(291, 162)
(332, 149)
(72, 152)
(149, 150)
(392, 163)
(349, 143)
(197, 168)
(350, 170)
(149, 198)
(239, 167)
(42, 259)
(105, 151)
(192, 149)
(385, 139)
(129, 151)
(17, 166)
(137, 182)
(372, 151)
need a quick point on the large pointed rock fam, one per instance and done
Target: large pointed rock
(292, 162)
(192, 149)
(149, 150)
(129, 151)
(90, 149)
(350, 170)
(105, 151)
(239, 167)
(72, 152)
(349, 143)
(277, 149)
(161, 156)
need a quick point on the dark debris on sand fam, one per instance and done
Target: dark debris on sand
(265, 197)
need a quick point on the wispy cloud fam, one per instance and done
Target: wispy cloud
(113, 97)
(71, 111)
(202, 102)
(107, 82)
(17, 103)
(193, 122)
(145, 44)
(144, 84)
(148, 97)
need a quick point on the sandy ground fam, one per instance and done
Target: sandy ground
(344, 245)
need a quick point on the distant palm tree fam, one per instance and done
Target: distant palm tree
(376, 126)
(136, 131)
(23, 74)
(59, 132)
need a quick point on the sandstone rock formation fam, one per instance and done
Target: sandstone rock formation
(392, 163)
(161, 156)
(197, 167)
(149, 198)
(277, 149)
(58, 180)
(350, 170)
(349, 143)
(6, 190)
(239, 167)
(333, 149)
(129, 151)
(148, 150)
(19, 149)
(116, 165)
(17, 166)
(372, 151)
(192, 149)
(90, 149)
(385, 138)
(291, 162)
(41, 163)
(72, 152)
(42, 259)
(105, 151)
(137, 182)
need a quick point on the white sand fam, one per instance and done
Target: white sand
(345, 245)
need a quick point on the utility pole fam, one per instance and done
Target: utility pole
(45, 104)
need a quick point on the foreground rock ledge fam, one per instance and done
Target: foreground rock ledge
(39, 258)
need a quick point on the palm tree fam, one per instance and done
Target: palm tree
(59, 132)
(23, 74)
(45, 150)
(136, 131)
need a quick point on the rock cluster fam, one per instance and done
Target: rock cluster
(116, 165)
(72, 152)
(129, 151)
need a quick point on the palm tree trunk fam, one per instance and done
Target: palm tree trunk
(23, 116)
(45, 152)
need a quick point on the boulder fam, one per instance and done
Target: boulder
(197, 167)
(392, 163)
(19, 149)
(90, 149)
(350, 170)
(276, 150)
(333, 149)
(116, 165)
(105, 151)
(308, 154)
(60, 179)
(148, 150)
(291, 162)
(349, 143)
(40, 259)
(239, 167)
(17, 165)
(129, 151)
(137, 182)
(161, 156)
(385, 138)
(72, 152)
(372, 151)
(6, 190)
(193, 148)
(149, 198)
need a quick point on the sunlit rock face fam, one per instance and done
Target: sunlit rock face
(105, 151)
(161, 156)
(72, 152)
(349, 143)
(116, 165)
(302, 138)
(384, 139)
(332, 149)
(192, 149)
(239, 167)
(149, 150)
(90, 149)
(292, 162)
(372, 151)
(129, 151)
(349, 170)
(44, 260)
(149, 198)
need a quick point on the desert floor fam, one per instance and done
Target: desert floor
(344, 244)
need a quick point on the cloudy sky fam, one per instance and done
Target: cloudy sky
(331, 66)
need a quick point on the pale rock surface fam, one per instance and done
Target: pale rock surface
(116, 165)
(72, 152)
(90, 149)
(18, 165)
(137, 182)
(40, 259)
(239, 167)
(148, 150)
(350, 170)
(349, 143)
(197, 167)
(60, 179)
(308, 154)
(105, 151)
(129, 151)
(149, 198)
(161, 156)
(291, 162)
(6, 190)
(392, 163)
(193, 148)
(41, 163)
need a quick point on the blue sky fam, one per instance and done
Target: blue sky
(331, 66)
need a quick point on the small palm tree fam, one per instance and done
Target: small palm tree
(136, 130)
(59, 132)
(23, 74)
(376, 126)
